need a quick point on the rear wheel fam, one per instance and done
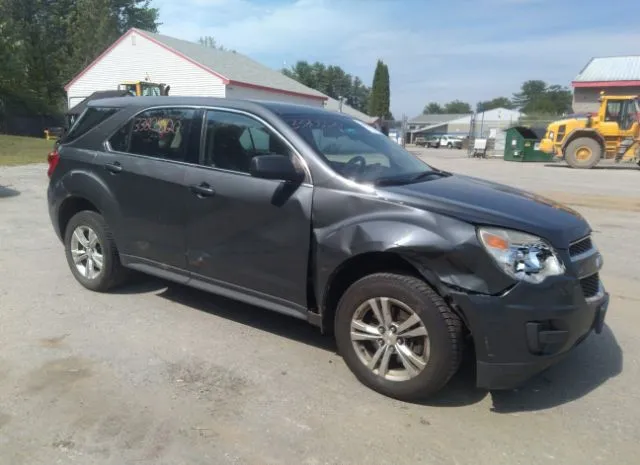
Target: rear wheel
(583, 152)
(398, 336)
(91, 252)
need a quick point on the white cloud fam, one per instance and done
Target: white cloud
(474, 52)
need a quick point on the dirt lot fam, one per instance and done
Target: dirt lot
(158, 374)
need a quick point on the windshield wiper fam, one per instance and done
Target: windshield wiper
(427, 174)
(408, 179)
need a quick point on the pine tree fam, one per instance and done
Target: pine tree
(380, 93)
(386, 93)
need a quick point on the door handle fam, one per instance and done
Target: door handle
(202, 190)
(114, 167)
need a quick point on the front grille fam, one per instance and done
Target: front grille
(582, 246)
(590, 285)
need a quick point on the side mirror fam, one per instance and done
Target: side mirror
(276, 167)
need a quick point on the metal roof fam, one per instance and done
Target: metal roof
(233, 66)
(621, 68)
(434, 119)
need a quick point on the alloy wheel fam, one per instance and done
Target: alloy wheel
(390, 339)
(86, 252)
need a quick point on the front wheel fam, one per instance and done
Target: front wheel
(583, 152)
(398, 336)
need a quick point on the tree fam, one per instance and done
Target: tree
(529, 92)
(457, 107)
(332, 81)
(209, 41)
(92, 27)
(498, 102)
(386, 93)
(536, 97)
(432, 108)
(380, 92)
(452, 108)
(44, 43)
(135, 13)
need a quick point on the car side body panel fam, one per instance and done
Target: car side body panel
(78, 180)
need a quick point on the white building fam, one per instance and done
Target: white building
(485, 124)
(189, 68)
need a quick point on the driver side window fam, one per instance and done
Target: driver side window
(233, 139)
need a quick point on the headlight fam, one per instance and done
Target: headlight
(551, 135)
(522, 256)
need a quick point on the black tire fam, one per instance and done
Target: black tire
(112, 273)
(443, 326)
(580, 144)
(449, 146)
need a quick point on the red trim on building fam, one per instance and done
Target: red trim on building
(606, 84)
(184, 57)
(277, 91)
(95, 62)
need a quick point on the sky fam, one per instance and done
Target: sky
(436, 50)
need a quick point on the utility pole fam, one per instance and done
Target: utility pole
(404, 130)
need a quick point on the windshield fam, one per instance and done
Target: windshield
(357, 151)
(150, 89)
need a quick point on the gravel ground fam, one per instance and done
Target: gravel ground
(159, 374)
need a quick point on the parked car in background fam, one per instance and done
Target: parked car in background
(316, 215)
(451, 142)
(433, 142)
(420, 141)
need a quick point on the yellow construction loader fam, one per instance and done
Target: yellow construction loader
(144, 88)
(611, 133)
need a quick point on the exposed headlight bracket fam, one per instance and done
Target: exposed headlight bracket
(522, 256)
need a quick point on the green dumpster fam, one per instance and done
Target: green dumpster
(521, 144)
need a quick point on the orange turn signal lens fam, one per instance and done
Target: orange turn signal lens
(495, 242)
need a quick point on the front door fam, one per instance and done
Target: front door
(145, 168)
(616, 124)
(247, 234)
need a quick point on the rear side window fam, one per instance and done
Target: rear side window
(89, 119)
(159, 133)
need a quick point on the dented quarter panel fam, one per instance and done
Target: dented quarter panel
(444, 249)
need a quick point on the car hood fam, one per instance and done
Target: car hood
(484, 202)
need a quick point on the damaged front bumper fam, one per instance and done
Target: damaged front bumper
(529, 328)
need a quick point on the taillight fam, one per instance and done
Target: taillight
(53, 158)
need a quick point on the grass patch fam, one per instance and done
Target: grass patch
(23, 150)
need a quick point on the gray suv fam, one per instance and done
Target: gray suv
(318, 216)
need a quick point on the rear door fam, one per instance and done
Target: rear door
(145, 167)
(247, 234)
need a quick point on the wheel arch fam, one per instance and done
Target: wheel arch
(86, 191)
(361, 265)
(69, 207)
